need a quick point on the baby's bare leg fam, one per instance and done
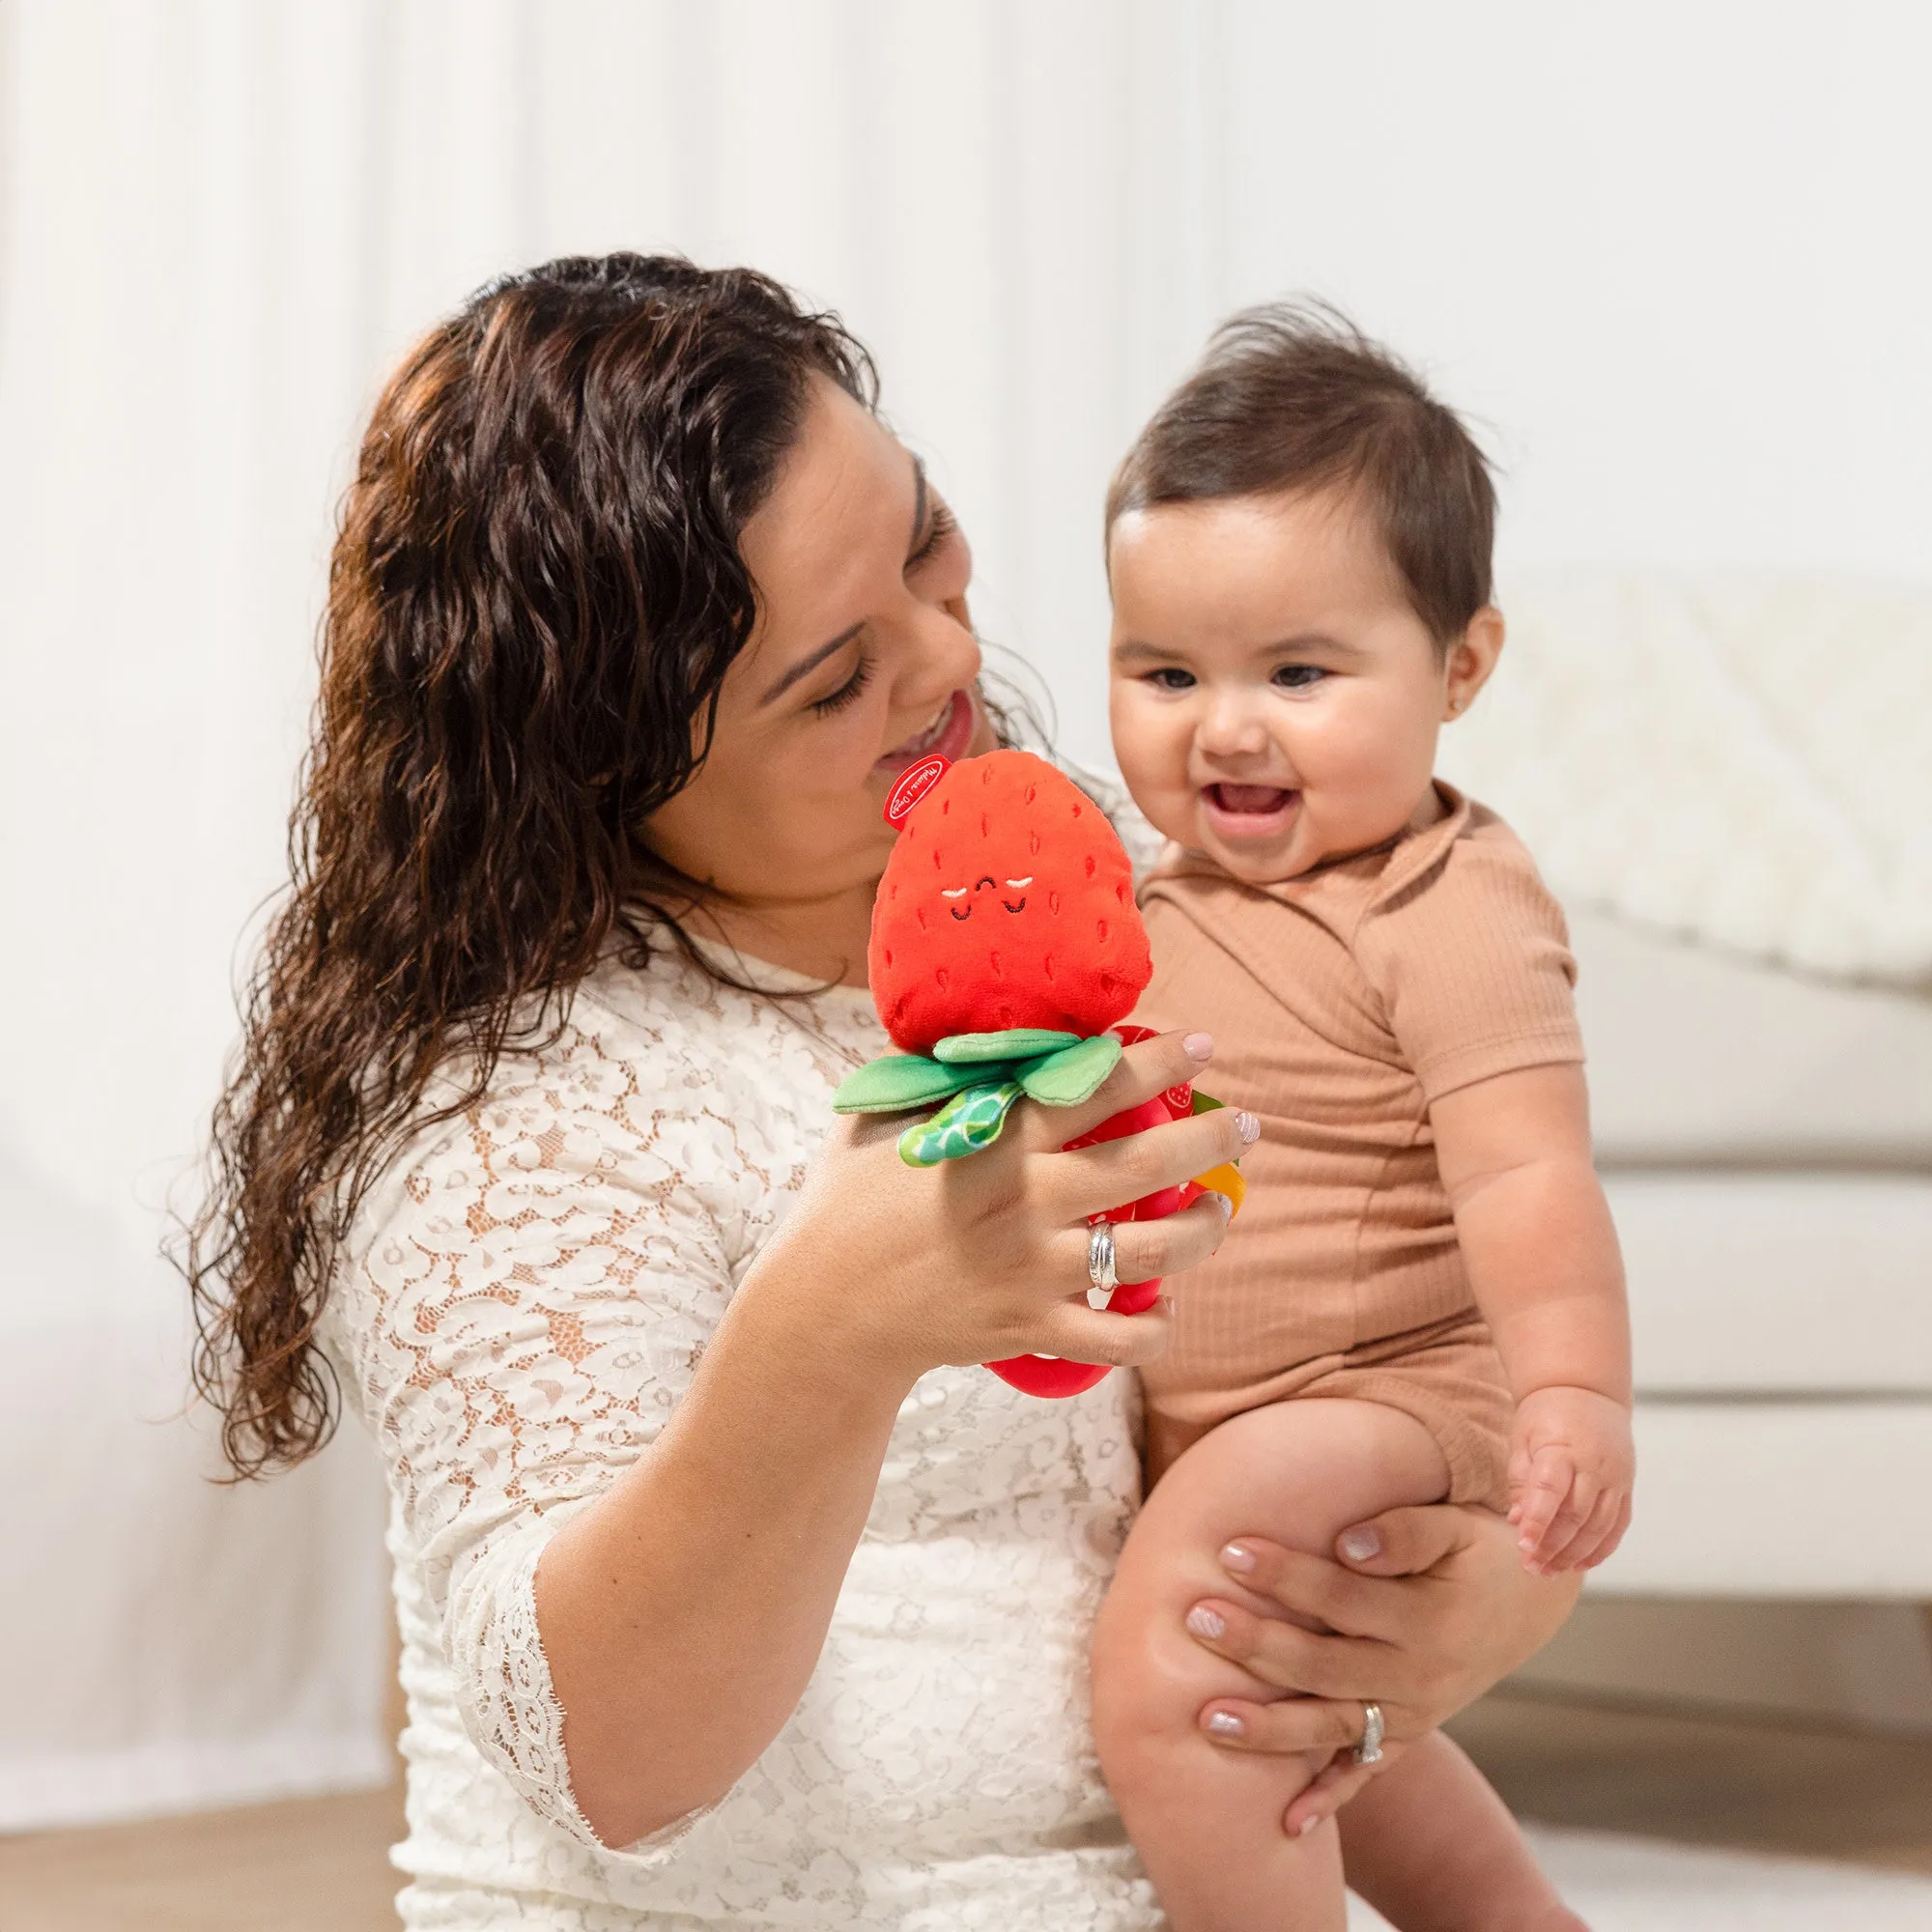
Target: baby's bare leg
(1207, 1821)
(1433, 1849)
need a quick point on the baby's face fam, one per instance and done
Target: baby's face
(1275, 699)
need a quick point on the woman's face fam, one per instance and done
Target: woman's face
(863, 659)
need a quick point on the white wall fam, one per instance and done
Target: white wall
(1669, 255)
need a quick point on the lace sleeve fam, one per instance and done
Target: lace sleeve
(539, 1285)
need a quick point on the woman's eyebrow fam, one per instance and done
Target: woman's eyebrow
(805, 666)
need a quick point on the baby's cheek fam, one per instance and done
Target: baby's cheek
(1154, 770)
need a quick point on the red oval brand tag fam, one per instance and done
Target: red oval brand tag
(914, 783)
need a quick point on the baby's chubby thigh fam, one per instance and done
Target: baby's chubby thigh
(1297, 1472)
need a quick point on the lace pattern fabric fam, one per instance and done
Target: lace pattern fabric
(526, 1297)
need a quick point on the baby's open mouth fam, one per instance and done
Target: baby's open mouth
(1246, 801)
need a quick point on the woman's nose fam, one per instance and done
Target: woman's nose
(942, 654)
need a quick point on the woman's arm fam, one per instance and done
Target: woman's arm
(682, 1614)
(1424, 1610)
(683, 1611)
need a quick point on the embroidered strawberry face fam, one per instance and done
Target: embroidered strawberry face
(1009, 901)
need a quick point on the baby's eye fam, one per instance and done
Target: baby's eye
(1171, 679)
(1298, 677)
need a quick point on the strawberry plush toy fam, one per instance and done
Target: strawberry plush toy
(1007, 949)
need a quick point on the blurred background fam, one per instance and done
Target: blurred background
(1662, 257)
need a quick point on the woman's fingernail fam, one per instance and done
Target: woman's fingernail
(1308, 1823)
(1204, 1622)
(1247, 1126)
(1199, 1046)
(1361, 1543)
(1226, 1204)
(1225, 1724)
(1235, 1557)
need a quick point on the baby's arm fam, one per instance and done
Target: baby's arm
(1542, 1255)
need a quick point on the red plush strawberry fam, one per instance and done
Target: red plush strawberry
(1006, 946)
(1008, 902)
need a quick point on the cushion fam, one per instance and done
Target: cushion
(1766, 1284)
(1815, 1499)
(1699, 1057)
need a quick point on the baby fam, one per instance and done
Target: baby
(1421, 1298)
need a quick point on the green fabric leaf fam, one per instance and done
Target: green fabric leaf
(975, 1049)
(1204, 1103)
(1065, 1078)
(968, 1121)
(897, 1081)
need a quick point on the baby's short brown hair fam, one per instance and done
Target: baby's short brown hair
(1292, 397)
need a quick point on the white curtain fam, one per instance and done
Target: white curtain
(1665, 255)
(222, 224)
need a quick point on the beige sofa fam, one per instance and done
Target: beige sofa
(1767, 1144)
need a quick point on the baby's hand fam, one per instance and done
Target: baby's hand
(1571, 1469)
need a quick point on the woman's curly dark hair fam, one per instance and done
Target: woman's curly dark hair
(534, 597)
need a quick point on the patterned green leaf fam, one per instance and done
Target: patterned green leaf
(968, 1121)
(897, 1081)
(1065, 1078)
(975, 1049)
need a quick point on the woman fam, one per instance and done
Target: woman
(636, 610)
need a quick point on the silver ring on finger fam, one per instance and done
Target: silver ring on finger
(1370, 1749)
(1100, 1258)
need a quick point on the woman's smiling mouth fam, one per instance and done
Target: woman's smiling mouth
(948, 734)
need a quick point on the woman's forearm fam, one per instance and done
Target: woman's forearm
(683, 1613)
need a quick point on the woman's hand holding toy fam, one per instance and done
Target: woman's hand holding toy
(986, 1259)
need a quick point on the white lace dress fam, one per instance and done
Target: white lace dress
(527, 1292)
